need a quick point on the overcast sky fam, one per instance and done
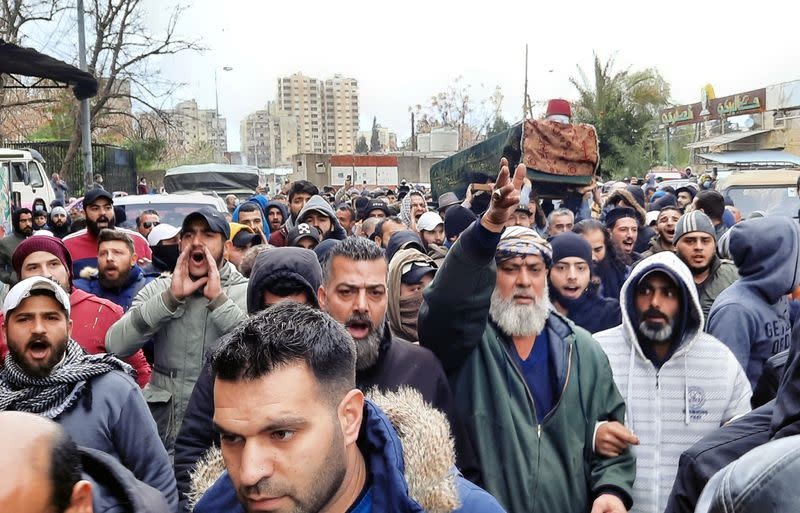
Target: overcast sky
(402, 53)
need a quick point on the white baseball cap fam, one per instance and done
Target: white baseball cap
(429, 221)
(161, 232)
(23, 289)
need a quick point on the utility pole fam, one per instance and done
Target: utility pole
(86, 131)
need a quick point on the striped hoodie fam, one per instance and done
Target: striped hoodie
(700, 388)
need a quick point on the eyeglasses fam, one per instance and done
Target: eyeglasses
(150, 224)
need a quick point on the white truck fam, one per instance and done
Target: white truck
(22, 179)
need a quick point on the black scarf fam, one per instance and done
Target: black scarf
(53, 395)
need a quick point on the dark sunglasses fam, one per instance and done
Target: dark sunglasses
(150, 224)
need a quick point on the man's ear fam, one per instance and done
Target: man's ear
(227, 249)
(134, 259)
(322, 298)
(81, 499)
(351, 413)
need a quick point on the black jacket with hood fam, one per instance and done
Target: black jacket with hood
(317, 203)
(778, 418)
(115, 489)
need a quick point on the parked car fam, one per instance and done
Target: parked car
(773, 191)
(171, 208)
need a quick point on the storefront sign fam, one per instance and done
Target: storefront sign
(715, 108)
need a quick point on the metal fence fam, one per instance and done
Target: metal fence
(117, 165)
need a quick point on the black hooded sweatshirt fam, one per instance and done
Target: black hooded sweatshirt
(778, 418)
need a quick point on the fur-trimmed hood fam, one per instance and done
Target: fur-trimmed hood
(627, 198)
(413, 457)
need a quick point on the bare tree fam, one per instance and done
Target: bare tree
(121, 54)
(456, 108)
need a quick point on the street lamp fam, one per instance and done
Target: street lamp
(216, 90)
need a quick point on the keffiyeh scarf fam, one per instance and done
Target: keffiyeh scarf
(53, 395)
(518, 241)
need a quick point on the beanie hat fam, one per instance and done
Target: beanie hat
(558, 107)
(637, 193)
(618, 213)
(51, 245)
(57, 211)
(569, 244)
(456, 220)
(694, 221)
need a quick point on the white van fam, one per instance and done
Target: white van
(24, 168)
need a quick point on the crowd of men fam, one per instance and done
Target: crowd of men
(381, 350)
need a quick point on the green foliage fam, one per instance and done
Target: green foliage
(361, 145)
(623, 106)
(375, 143)
(499, 125)
(147, 152)
(61, 124)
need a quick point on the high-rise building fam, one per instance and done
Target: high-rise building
(269, 137)
(341, 114)
(196, 126)
(326, 111)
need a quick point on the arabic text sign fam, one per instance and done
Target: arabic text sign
(734, 105)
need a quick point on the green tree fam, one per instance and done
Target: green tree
(623, 106)
(375, 143)
(361, 145)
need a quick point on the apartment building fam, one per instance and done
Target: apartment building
(326, 111)
(195, 126)
(269, 137)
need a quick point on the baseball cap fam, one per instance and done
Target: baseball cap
(215, 220)
(376, 204)
(23, 289)
(243, 236)
(413, 272)
(94, 195)
(429, 221)
(161, 232)
(302, 231)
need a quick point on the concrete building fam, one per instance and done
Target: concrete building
(386, 137)
(326, 111)
(269, 137)
(195, 127)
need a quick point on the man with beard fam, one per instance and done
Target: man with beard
(277, 214)
(98, 207)
(22, 224)
(299, 193)
(531, 384)
(92, 397)
(60, 222)
(91, 316)
(573, 288)
(665, 231)
(184, 313)
(320, 214)
(117, 278)
(696, 245)
(298, 436)
(623, 225)
(685, 196)
(354, 291)
(679, 382)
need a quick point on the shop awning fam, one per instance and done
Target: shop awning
(750, 158)
(724, 139)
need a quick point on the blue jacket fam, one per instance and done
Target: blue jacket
(591, 311)
(137, 279)
(751, 316)
(262, 202)
(386, 463)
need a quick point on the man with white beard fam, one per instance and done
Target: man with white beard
(529, 383)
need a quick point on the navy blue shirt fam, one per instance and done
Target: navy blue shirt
(536, 371)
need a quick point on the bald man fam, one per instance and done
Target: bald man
(53, 475)
(46, 475)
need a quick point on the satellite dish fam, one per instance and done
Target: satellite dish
(748, 122)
